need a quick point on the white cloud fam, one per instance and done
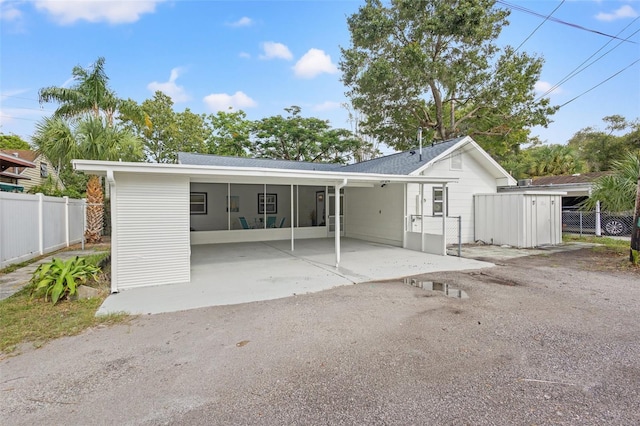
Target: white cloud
(242, 22)
(326, 106)
(111, 11)
(623, 12)
(8, 12)
(170, 88)
(273, 50)
(222, 101)
(244, 55)
(314, 62)
(543, 86)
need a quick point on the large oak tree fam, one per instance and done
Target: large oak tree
(435, 64)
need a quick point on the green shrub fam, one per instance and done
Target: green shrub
(60, 279)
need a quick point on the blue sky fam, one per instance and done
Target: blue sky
(263, 56)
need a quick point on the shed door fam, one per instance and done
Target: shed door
(542, 221)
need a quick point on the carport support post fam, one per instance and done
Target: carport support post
(422, 217)
(404, 217)
(445, 207)
(337, 220)
(292, 217)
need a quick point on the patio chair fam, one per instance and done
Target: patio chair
(281, 222)
(271, 221)
(244, 223)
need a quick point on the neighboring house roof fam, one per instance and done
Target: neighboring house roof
(401, 163)
(568, 179)
(9, 159)
(577, 185)
(25, 154)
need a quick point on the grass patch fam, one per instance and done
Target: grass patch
(24, 319)
(605, 241)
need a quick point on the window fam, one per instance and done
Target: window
(437, 201)
(43, 170)
(198, 203)
(267, 203)
(456, 161)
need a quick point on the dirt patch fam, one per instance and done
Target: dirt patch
(600, 259)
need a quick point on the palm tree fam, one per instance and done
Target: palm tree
(617, 192)
(89, 138)
(90, 94)
(83, 127)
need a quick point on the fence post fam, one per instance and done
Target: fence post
(598, 225)
(459, 236)
(66, 219)
(581, 223)
(84, 219)
(40, 223)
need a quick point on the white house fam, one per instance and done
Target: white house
(160, 210)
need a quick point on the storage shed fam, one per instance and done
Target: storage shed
(524, 219)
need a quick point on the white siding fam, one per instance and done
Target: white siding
(151, 230)
(375, 214)
(473, 179)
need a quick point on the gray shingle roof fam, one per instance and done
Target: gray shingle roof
(401, 163)
(219, 160)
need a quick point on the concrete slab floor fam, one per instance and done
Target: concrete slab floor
(226, 274)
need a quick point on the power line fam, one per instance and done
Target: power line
(538, 27)
(17, 118)
(601, 83)
(559, 21)
(31, 109)
(577, 70)
(18, 97)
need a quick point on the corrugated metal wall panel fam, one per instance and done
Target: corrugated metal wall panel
(519, 220)
(152, 230)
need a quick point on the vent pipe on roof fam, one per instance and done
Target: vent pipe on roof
(420, 142)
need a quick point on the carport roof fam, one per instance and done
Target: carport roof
(253, 175)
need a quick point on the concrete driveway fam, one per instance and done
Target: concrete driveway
(227, 274)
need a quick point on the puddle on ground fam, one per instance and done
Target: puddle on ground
(437, 286)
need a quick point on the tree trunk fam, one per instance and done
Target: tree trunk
(635, 234)
(95, 210)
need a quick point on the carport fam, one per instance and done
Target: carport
(152, 243)
(232, 273)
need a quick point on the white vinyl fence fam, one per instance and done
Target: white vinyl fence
(32, 225)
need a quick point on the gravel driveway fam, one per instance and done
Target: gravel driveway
(540, 340)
